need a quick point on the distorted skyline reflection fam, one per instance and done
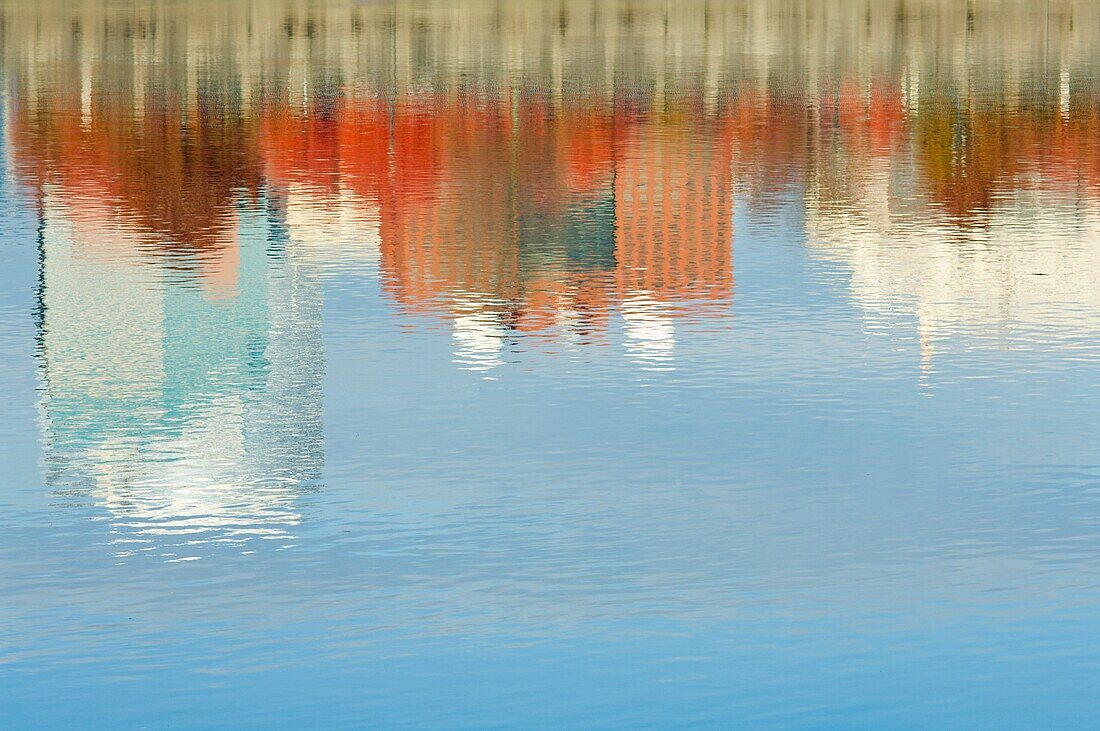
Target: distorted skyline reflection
(537, 177)
(549, 363)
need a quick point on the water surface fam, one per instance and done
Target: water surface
(549, 364)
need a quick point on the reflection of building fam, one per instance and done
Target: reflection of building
(191, 415)
(177, 177)
(546, 222)
(673, 227)
(1030, 265)
(673, 212)
(505, 215)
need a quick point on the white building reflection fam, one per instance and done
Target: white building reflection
(478, 336)
(189, 407)
(333, 231)
(650, 331)
(1023, 271)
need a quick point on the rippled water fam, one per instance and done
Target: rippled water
(549, 364)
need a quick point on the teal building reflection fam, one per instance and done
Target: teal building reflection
(182, 393)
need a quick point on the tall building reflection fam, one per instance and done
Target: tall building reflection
(180, 345)
(192, 413)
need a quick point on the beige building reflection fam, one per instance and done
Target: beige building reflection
(1024, 272)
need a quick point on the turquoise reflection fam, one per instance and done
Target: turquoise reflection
(191, 411)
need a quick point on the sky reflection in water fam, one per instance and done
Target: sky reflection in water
(573, 363)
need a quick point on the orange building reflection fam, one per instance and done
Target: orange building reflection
(170, 174)
(674, 210)
(536, 216)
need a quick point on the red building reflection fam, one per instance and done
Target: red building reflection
(521, 207)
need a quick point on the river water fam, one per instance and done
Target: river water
(578, 364)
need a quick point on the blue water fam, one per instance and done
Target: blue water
(275, 457)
